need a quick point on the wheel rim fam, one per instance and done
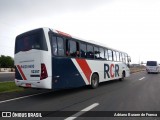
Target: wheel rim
(94, 81)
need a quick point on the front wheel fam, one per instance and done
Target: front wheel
(94, 81)
(123, 76)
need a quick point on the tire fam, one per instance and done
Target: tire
(123, 76)
(94, 81)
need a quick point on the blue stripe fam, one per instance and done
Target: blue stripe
(64, 74)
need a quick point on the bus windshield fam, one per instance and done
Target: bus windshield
(151, 63)
(31, 40)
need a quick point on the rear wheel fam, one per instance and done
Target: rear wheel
(94, 81)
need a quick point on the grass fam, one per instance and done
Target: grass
(9, 87)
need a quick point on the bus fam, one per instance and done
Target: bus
(50, 59)
(152, 67)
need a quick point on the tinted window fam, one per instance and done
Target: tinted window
(101, 53)
(114, 56)
(126, 58)
(72, 48)
(106, 54)
(90, 51)
(151, 63)
(96, 52)
(120, 56)
(123, 57)
(123, 60)
(110, 54)
(117, 54)
(60, 46)
(83, 50)
(54, 45)
(31, 40)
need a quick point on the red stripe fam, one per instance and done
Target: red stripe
(64, 34)
(85, 68)
(21, 72)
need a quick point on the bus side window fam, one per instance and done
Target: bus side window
(72, 48)
(90, 53)
(96, 53)
(123, 58)
(114, 56)
(102, 53)
(54, 45)
(120, 57)
(106, 54)
(110, 54)
(117, 54)
(77, 50)
(126, 58)
(60, 46)
(83, 50)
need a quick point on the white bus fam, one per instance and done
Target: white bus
(51, 59)
(152, 67)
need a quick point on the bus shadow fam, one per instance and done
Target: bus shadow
(48, 94)
(109, 82)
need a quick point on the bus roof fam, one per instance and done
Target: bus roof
(77, 38)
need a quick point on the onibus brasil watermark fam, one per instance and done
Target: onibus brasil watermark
(21, 114)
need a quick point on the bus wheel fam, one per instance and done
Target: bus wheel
(123, 76)
(94, 81)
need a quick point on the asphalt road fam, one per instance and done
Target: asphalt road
(6, 76)
(139, 92)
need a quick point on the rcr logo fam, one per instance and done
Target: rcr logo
(111, 70)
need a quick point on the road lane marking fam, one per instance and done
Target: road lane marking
(6, 72)
(21, 97)
(82, 111)
(142, 78)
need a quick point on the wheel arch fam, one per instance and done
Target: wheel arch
(124, 73)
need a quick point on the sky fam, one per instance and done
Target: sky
(132, 26)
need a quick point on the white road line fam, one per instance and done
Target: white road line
(82, 111)
(142, 78)
(21, 97)
(6, 72)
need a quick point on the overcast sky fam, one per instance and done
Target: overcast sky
(132, 26)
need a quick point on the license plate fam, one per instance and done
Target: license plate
(28, 85)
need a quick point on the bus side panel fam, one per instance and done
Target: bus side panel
(107, 70)
(65, 74)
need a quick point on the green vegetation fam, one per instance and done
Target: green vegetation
(9, 87)
(6, 62)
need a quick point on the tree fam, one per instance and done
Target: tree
(6, 62)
